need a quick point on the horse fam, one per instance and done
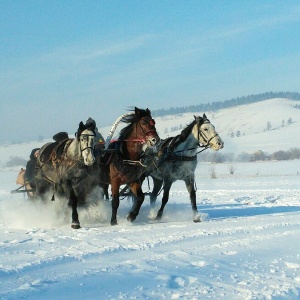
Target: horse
(64, 165)
(176, 159)
(122, 162)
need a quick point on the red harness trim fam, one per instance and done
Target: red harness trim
(131, 140)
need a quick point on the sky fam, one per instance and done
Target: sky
(64, 61)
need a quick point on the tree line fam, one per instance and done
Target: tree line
(214, 106)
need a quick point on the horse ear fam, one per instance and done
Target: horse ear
(136, 110)
(148, 111)
(198, 119)
(81, 125)
(80, 129)
(204, 116)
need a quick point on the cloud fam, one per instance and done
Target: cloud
(93, 50)
(263, 23)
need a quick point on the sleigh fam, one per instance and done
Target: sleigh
(25, 186)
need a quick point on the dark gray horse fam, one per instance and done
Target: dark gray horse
(176, 159)
(64, 166)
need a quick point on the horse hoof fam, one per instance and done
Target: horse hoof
(75, 225)
(130, 218)
(158, 218)
(197, 219)
(113, 223)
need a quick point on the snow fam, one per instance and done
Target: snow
(246, 247)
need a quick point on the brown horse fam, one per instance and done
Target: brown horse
(122, 163)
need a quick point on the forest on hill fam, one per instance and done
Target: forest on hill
(214, 106)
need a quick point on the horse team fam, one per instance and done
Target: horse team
(74, 167)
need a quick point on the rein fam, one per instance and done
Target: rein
(142, 141)
(205, 147)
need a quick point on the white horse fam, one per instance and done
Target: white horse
(64, 166)
(177, 160)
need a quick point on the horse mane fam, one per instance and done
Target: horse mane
(133, 119)
(180, 138)
(186, 131)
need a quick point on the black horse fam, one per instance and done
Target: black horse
(176, 159)
(63, 166)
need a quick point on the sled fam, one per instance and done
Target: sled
(25, 186)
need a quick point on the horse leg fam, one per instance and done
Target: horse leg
(137, 190)
(157, 184)
(104, 191)
(190, 185)
(73, 201)
(165, 198)
(114, 203)
(101, 191)
(41, 189)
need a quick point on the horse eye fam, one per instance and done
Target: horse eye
(205, 129)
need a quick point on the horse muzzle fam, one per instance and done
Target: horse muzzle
(88, 156)
(89, 161)
(216, 145)
(153, 141)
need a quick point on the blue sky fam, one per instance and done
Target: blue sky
(64, 61)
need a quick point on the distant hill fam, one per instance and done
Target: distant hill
(214, 106)
(268, 125)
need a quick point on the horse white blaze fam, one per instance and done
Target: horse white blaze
(87, 140)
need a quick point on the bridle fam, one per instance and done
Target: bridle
(147, 120)
(87, 141)
(204, 137)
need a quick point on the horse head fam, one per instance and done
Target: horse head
(147, 127)
(141, 128)
(85, 137)
(206, 133)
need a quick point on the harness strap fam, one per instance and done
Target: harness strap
(134, 163)
(58, 157)
(181, 158)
